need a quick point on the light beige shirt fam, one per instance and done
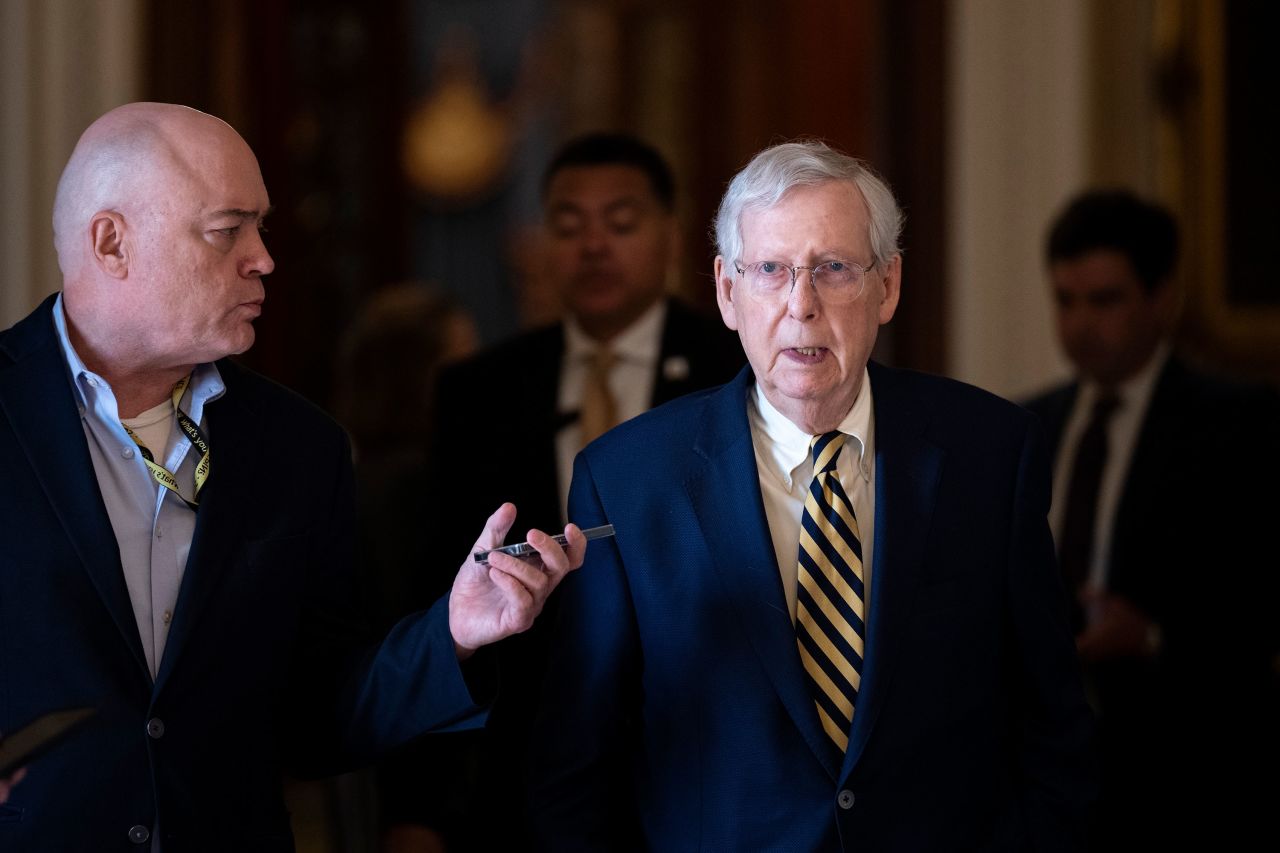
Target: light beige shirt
(785, 469)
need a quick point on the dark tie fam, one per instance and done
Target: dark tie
(1075, 550)
(829, 594)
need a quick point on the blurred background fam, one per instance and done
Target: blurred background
(404, 140)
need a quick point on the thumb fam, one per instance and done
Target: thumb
(495, 529)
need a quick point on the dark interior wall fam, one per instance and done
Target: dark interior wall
(321, 90)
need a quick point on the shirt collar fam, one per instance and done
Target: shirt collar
(1135, 391)
(640, 342)
(89, 387)
(789, 445)
(80, 375)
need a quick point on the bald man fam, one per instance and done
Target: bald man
(176, 531)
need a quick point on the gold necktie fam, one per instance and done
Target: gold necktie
(599, 411)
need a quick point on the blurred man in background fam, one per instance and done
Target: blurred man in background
(1160, 543)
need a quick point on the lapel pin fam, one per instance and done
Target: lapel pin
(675, 368)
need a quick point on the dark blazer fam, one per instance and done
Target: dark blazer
(1188, 548)
(266, 666)
(676, 714)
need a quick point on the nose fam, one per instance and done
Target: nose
(257, 262)
(802, 302)
(594, 240)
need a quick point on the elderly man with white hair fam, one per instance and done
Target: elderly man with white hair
(830, 619)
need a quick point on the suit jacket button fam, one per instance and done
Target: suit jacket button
(155, 728)
(845, 799)
(139, 834)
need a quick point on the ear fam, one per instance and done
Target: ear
(892, 289)
(724, 293)
(106, 231)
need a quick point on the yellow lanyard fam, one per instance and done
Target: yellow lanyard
(162, 474)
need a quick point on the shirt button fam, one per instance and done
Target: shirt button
(159, 533)
(168, 616)
(127, 453)
(139, 834)
(845, 799)
(155, 728)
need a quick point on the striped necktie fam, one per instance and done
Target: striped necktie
(829, 596)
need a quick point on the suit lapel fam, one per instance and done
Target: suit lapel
(908, 468)
(220, 518)
(40, 405)
(725, 494)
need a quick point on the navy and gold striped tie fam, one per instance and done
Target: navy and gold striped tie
(829, 595)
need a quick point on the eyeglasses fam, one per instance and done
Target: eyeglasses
(834, 281)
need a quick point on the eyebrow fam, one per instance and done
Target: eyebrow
(240, 213)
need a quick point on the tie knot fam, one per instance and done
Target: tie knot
(602, 360)
(825, 448)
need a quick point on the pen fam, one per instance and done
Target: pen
(524, 548)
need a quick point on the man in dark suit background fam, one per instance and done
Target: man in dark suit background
(176, 531)
(611, 237)
(787, 647)
(1161, 550)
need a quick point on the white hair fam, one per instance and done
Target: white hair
(775, 171)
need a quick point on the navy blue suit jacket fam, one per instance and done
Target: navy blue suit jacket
(265, 666)
(677, 716)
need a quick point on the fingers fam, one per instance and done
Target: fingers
(524, 596)
(534, 582)
(576, 550)
(554, 557)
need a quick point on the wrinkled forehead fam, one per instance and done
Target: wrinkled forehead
(827, 210)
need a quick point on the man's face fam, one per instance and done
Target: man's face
(611, 242)
(808, 355)
(198, 255)
(1108, 324)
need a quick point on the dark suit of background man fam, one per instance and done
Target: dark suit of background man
(612, 237)
(176, 531)
(717, 681)
(1165, 550)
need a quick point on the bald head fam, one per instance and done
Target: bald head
(121, 163)
(158, 223)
